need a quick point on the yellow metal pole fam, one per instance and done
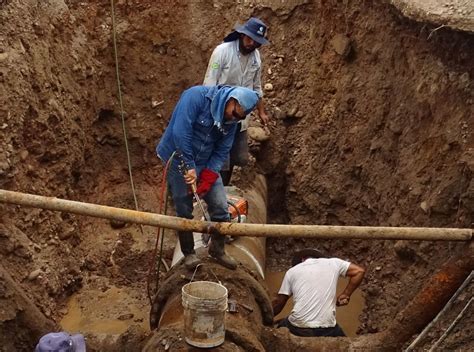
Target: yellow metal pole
(234, 229)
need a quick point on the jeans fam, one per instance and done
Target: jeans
(335, 331)
(216, 200)
(239, 155)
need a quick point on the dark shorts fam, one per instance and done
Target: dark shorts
(335, 331)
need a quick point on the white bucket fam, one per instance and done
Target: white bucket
(205, 304)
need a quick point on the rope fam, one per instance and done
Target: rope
(453, 324)
(122, 115)
(127, 149)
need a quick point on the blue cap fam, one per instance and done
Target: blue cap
(254, 28)
(61, 342)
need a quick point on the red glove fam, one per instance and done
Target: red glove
(206, 179)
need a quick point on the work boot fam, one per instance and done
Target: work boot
(191, 261)
(225, 260)
(216, 251)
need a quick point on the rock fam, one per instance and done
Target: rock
(268, 87)
(117, 224)
(299, 85)
(258, 134)
(279, 114)
(156, 103)
(403, 250)
(269, 71)
(34, 274)
(66, 232)
(424, 205)
(341, 45)
(292, 112)
(299, 114)
(4, 167)
(373, 291)
(24, 154)
(128, 316)
(280, 60)
(3, 56)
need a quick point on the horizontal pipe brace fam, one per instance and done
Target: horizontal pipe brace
(234, 229)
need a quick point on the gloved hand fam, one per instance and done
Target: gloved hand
(206, 179)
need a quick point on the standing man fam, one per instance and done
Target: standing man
(312, 281)
(237, 62)
(201, 131)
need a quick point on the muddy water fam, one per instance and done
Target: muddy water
(109, 312)
(347, 317)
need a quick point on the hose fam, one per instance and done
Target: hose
(160, 235)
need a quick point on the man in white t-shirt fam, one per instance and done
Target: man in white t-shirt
(312, 281)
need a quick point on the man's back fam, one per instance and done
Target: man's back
(313, 285)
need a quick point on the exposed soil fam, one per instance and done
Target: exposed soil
(372, 125)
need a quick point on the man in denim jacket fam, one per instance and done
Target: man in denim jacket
(202, 130)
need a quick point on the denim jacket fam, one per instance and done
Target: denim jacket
(203, 141)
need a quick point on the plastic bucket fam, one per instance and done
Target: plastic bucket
(205, 304)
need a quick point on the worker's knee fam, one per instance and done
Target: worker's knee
(216, 200)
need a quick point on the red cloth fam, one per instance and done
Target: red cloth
(206, 179)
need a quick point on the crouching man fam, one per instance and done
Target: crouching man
(312, 281)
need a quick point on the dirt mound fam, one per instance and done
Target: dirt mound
(372, 125)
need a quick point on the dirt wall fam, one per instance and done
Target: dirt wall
(372, 125)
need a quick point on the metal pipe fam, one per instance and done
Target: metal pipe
(232, 229)
(19, 310)
(440, 314)
(250, 251)
(429, 301)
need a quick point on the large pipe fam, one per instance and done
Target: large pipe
(232, 229)
(250, 251)
(252, 305)
(18, 310)
(432, 297)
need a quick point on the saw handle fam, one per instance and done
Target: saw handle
(184, 171)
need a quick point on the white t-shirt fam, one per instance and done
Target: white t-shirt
(313, 285)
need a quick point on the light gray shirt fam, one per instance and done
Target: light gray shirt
(228, 66)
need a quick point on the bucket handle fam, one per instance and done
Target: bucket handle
(197, 267)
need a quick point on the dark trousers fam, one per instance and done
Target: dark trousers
(238, 156)
(335, 331)
(216, 200)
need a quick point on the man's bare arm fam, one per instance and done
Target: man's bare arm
(356, 274)
(261, 112)
(279, 303)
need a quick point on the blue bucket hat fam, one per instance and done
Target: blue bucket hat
(254, 28)
(61, 342)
